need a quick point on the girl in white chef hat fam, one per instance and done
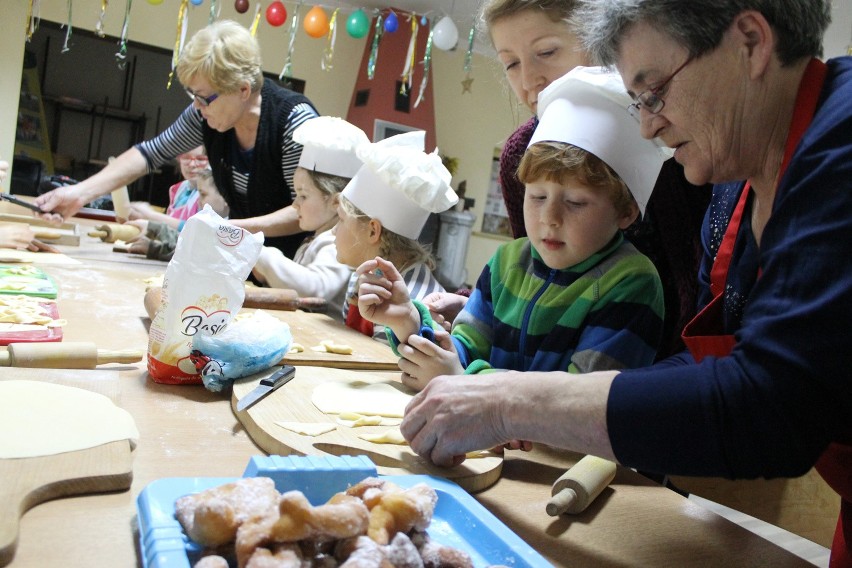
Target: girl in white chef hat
(327, 163)
(383, 210)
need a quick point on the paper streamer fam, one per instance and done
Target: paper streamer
(468, 59)
(65, 46)
(180, 36)
(328, 54)
(374, 51)
(214, 11)
(256, 20)
(121, 54)
(427, 64)
(294, 27)
(99, 27)
(408, 70)
(32, 18)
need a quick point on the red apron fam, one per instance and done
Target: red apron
(704, 338)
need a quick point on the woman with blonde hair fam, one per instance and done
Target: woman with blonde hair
(245, 124)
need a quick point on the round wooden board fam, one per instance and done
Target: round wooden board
(292, 403)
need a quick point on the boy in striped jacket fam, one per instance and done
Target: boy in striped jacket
(572, 296)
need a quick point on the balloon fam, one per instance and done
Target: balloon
(316, 22)
(423, 21)
(241, 6)
(276, 13)
(391, 22)
(155, 2)
(197, 2)
(445, 34)
(358, 24)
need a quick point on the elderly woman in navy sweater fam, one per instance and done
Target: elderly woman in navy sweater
(735, 87)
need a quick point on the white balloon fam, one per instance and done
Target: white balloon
(445, 34)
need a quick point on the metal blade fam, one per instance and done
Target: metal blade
(267, 385)
(258, 393)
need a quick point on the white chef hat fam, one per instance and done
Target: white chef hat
(587, 108)
(400, 185)
(328, 146)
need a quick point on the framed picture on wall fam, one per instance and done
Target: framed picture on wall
(385, 129)
(495, 220)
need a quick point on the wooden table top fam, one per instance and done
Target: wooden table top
(187, 431)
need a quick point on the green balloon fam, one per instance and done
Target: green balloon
(358, 24)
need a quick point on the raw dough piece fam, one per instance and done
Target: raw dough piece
(50, 419)
(329, 346)
(392, 436)
(307, 428)
(354, 420)
(296, 348)
(372, 399)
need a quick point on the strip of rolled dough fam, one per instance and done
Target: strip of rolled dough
(372, 399)
(49, 419)
(307, 428)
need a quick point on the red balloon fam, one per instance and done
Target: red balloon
(241, 6)
(276, 14)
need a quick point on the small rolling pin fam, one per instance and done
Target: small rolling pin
(579, 486)
(65, 355)
(283, 299)
(111, 232)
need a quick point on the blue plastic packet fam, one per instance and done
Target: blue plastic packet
(247, 346)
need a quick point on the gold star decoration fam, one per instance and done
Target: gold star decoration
(468, 81)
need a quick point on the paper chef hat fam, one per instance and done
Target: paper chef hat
(588, 108)
(328, 146)
(400, 185)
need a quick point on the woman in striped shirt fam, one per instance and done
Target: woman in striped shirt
(244, 123)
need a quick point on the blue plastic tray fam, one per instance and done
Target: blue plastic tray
(459, 520)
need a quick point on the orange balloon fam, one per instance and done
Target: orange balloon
(316, 22)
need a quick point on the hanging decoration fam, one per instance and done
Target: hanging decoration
(316, 22)
(180, 37)
(255, 20)
(445, 34)
(468, 59)
(32, 18)
(99, 27)
(427, 64)
(214, 11)
(374, 50)
(328, 54)
(155, 2)
(121, 54)
(391, 22)
(65, 46)
(241, 6)
(196, 2)
(423, 20)
(294, 25)
(358, 24)
(276, 14)
(408, 70)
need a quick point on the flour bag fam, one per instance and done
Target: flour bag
(203, 289)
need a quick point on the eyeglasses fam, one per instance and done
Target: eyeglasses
(203, 101)
(651, 100)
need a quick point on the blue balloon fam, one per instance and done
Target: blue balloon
(197, 2)
(391, 22)
(423, 21)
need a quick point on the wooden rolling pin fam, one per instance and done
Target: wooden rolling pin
(65, 355)
(579, 486)
(111, 232)
(282, 299)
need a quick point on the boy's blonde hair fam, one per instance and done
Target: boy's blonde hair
(393, 244)
(225, 54)
(563, 163)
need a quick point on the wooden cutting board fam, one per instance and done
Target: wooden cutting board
(292, 403)
(64, 234)
(27, 482)
(310, 329)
